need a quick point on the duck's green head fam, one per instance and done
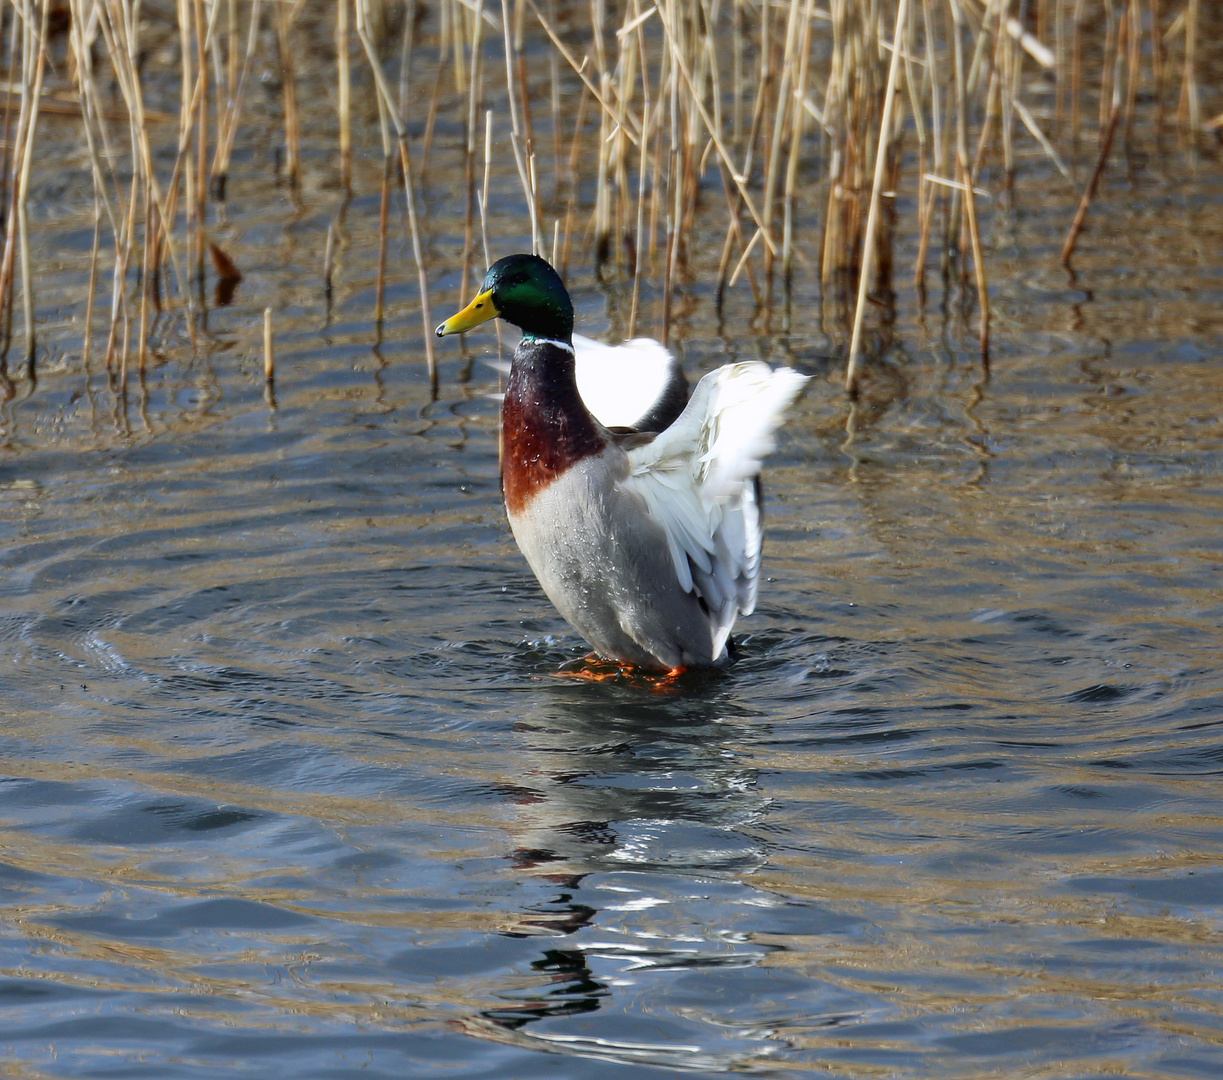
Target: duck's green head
(523, 290)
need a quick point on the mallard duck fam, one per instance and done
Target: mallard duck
(648, 543)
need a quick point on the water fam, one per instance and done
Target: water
(289, 786)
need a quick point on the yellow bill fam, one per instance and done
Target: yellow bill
(480, 310)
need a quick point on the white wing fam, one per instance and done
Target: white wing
(620, 384)
(698, 480)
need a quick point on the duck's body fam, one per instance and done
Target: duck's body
(603, 560)
(607, 568)
(648, 544)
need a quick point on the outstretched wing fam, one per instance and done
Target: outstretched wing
(625, 385)
(698, 480)
(638, 384)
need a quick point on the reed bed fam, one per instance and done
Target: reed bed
(766, 139)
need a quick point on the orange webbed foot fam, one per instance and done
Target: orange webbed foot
(662, 683)
(598, 669)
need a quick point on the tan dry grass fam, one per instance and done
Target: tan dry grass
(789, 110)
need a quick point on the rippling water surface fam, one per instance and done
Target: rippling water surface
(289, 787)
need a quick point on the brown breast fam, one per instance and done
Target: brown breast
(542, 439)
(545, 425)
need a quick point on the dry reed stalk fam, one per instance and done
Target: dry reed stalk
(191, 158)
(227, 120)
(622, 89)
(674, 86)
(33, 65)
(6, 147)
(1189, 109)
(121, 33)
(8, 260)
(475, 94)
(609, 126)
(231, 49)
(407, 43)
(774, 88)
(384, 202)
(1106, 142)
(528, 113)
(1010, 62)
(288, 77)
(269, 361)
(16, 183)
(1107, 68)
(1157, 63)
(452, 43)
(872, 218)
(798, 121)
(488, 260)
(554, 104)
(667, 15)
(343, 92)
(199, 117)
(965, 175)
(513, 72)
(384, 210)
(1133, 36)
(782, 106)
(569, 172)
(734, 236)
(602, 207)
(391, 110)
(426, 142)
(849, 109)
(642, 245)
(92, 288)
(186, 120)
(984, 143)
(269, 354)
(1059, 64)
(927, 192)
(488, 165)
(1076, 74)
(654, 135)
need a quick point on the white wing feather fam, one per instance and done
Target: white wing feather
(618, 383)
(698, 480)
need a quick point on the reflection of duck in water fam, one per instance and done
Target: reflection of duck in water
(643, 788)
(647, 543)
(628, 814)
